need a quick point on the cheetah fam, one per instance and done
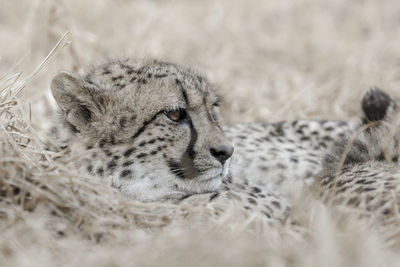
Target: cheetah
(153, 130)
(362, 173)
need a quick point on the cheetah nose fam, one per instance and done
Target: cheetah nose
(222, 153)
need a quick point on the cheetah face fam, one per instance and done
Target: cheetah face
(157, 124)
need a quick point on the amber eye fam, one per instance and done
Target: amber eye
(175, 115)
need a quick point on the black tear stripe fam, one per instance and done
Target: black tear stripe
(186, 164)
(193, 139)
(188, 156)
(187, 160)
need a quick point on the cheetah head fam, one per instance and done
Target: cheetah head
(156, 123)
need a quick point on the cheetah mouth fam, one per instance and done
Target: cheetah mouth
(216, 172)
(198, 181)
(212, 174)
(207, 182)
(190, 172)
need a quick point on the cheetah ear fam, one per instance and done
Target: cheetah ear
(76, 99)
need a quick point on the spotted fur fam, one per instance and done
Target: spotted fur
(362, 171)
(371, 188)
(278, 154)
(123, 115)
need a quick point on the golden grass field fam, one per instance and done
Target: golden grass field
(273, 60)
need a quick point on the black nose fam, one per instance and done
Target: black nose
(222, 153)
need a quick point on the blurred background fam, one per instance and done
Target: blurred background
(273, 60)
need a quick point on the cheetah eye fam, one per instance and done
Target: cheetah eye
(175, 115)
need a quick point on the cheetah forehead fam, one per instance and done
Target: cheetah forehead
(151, 85)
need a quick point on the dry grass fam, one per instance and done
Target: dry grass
(273, 60)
